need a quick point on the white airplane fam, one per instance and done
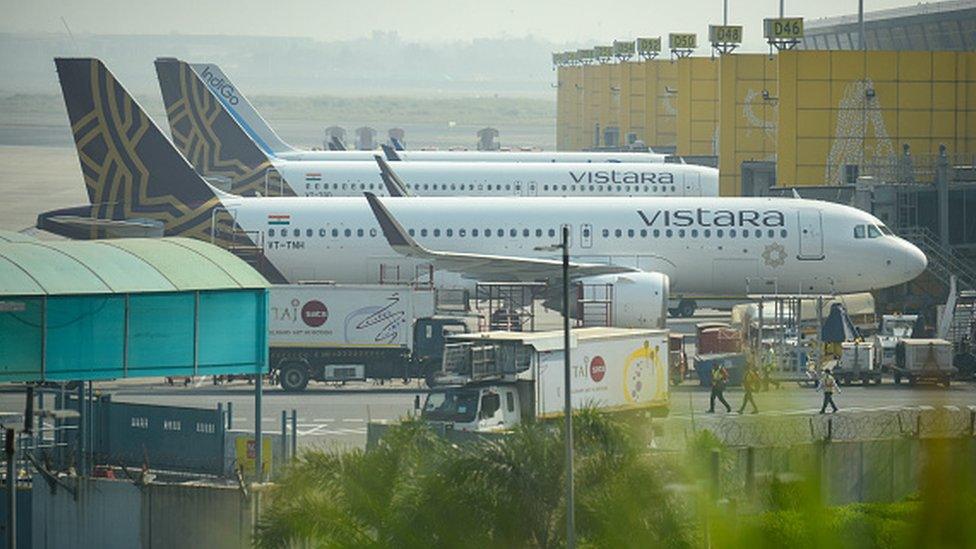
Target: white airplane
(220, 149)
(241, 110)
(690, 246)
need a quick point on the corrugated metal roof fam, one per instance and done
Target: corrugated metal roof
(132, 265)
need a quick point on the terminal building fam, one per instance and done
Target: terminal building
(890, 129)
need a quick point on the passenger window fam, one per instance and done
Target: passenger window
(873, 232)
(462, 232)
(694, 233)
(297, 232)
(270, 232)
(758, 233)
(513, 233)
(437, 232)
(859, 231)
(681, 233)
(731, 233)
(630, 233)
(606, 233)
(745, 233)
(525, 233)
(538, 233)
(782, 233)
(411, 232)
(669, 233)
(657, 233)
(335, 233)
(643, 233)
(552, 233)
(719, 233)
(359, 233)
(372, 232)
(618, 233)
(474, 232)
(348, 232)
(708, 233)
(322, 233)
(449, 232)
(423, 232)
(771, 233)
(500, 233)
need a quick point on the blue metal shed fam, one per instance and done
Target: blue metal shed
(127, 308)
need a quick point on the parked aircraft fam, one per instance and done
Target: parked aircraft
(223, 147)
(688, 246)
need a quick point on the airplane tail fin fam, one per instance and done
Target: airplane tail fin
(208, 135)
(131, 171)
(336, 144)
(390, 153)
(397, 144)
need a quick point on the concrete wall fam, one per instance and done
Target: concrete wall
(116, 513)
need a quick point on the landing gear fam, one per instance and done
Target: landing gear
(686, 308)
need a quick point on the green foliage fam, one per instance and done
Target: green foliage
(417, 490)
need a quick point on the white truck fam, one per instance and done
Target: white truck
(924, 360)
(329, 332)
(893, 329)
(500, 379)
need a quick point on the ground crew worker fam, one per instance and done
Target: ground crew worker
(750, 383)
(828, 385)
(720, 377)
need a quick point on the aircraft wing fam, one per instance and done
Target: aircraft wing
(484, 267)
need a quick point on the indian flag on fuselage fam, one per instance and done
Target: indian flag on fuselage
(312, 177)
(279, 219)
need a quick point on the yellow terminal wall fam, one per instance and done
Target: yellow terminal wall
(697, 117)
(747, 120)
(660, 102)
(637, 97)
(847, 107)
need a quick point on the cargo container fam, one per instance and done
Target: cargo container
(496, 380)
(893, 329)
(924, 360)
(716, 337)
(328, 332)
(856, 363)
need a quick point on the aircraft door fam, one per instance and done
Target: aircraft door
(586, 235)
(517, 188)
(531, 189)
(810, 234)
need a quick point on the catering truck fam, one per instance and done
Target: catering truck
(494, 381)
(336, 333)
(924, 360)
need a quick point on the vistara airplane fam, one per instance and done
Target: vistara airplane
(654, 245)
(240, 109)
(223, 147)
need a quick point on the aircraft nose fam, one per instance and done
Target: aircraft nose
(914, 260)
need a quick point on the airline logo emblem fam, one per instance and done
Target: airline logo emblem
(315, 313)
(313, 177)
(602, 177)
(220, 86)
(279, 219)
(713, 218)
(598, 369)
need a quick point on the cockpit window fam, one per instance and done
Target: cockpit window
(885, 230)
(859, 231)
(873, 232)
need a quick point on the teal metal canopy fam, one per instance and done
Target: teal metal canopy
(135, 307)
(31, 267)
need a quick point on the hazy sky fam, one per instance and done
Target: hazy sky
(417, 20)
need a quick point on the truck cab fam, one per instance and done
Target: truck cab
(430, 335)
(477, 407)
(893, 329)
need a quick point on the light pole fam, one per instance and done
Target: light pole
(567, 401)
